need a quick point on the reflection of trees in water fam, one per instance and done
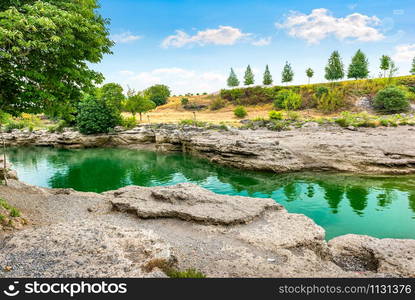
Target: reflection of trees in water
(333, 194)
(310, 190)
(357, 198)
(385, 199)
(411, 199)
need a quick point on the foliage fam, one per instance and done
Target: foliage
(249, 95)
(267, 77)
(391, 99)
(191, 122)
(321, 90)
(189, 273)
(240, 112)
(139, 103)
(45, 49)
(158, 93)
(293, 115)
(275, 115)
(232, 79)
(334, 69)
(58, 127)
(287, 73)
(385, 64)
(332, 101)
(25, 120)
(359, 67)
(217, 103)
(392, 69)
(249, 76)
(287, 99)
(95, 116)
(310, 73)
(129, 122)
(111, 94)
(184, 101)
(413, 67)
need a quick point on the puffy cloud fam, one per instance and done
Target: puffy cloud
(320, 24)
(125, 37)
(223, 35)
(262, 42)
(179, 80)
(404, 52)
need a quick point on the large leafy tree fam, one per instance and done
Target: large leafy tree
(287, 73)
(249, 76)
(232, 79)
(158, 93)
(385, 64)
(45, 48)
(112, 95)
(359, 67)
(334, 69)
(267, 77)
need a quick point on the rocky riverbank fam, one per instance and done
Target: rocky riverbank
(135, 231)
(382, 150)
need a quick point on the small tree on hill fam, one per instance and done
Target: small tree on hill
(392, 69)
(232, 79)
(139, 104)
(158, 93)
(267, 77)
(359, 67)
(287, 73)
(334, 68)
(413, 67)
(249, 76)
(310, 73)
(385, 64)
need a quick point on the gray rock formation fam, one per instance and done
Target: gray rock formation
(366, 150)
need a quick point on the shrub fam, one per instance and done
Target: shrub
(96, 117)
(129, 122)
(217, 103)
(293, 116)
(58, 127)
(184, 101)
(275, 115)
(331, 101)
(12, 124)
(240, 111)
(189, 273)
(321, 90)
(191, 122)
(288, 99)
(391, 99)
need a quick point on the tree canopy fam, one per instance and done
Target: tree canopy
(334, 69)
(138, 103)
(158, 93)
(112, 95)
(45, 47)
(287, 73)
(249, 76)
(359, 67)
(385, 64)
(232, 79)
(310, 73)
(267, 77)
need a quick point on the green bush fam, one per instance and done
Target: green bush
(391, 99)
(191, 122)
(129, 122)
(95, 116)
(321, 90)
(287, 99)
(189, 273)
(331, 101)
(184, 101)
(217, 103)
(275, 115)
(240, 111)
(12, 124)
(58, 127)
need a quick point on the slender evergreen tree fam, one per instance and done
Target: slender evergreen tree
(249, 76)
(310, 73)
(267, 77)
(287, 73)
(385, 64)
(334, 68)
(413, 67)
(232, 79)
(359, 67)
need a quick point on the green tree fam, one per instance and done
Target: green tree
(413, 67)
(232, 79)
(392, 69)
(111, 94)
(249, 76)
(139, 104)
(287, 73)
(267, 77)
(158, 93)
(385, 64)
(45, 49)
(334, 69)
(359, 67)
(310, 73)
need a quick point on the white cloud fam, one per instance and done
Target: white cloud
(223, 35)
(125, 37)
(404, 52)
(180, 80)
(262, 42)
(320, 24)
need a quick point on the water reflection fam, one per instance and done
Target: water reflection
(332, 200)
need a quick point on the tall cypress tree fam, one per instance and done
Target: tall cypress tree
(413, 67)
(385, 64)
(232, 79)
(334, 68)
(267, 77)
(287, 73)
(249, 76)
(309, 72)
(359, 67)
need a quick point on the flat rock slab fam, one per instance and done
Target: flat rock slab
(388, 256)
(189, 202)
(82, 249)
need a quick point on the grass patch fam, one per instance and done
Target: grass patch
(167, 268)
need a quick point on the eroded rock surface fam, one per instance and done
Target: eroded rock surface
(364, 150)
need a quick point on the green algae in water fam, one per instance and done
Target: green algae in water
(380, 206)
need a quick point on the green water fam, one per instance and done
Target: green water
(376, 206)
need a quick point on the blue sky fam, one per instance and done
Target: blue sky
(191, 45)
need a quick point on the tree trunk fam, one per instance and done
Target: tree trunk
(141, 118)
